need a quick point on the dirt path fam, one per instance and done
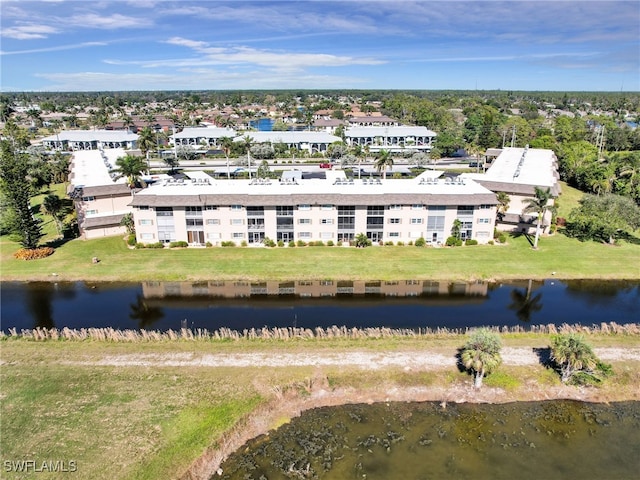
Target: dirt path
(417, 359)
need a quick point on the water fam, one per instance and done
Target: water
(240, 305)
(262, 125)
(531, 440)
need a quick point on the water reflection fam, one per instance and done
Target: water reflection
(524, 304)
(242, 305)
(145, 314)
(528, 440)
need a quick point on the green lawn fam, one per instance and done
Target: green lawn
(568, 258)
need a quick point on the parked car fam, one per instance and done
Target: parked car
(325, 165)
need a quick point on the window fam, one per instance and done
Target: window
(238, 235)
(194, 222)
(375, 210)
(437, 208)
(143, 207)
(394, 234)
(236, 207)
(91, 212)
(90, 198)
(213, 236)
(465, 209)
(416, 206)
(237, 221)
(213, 221)
(304, 206)
(304, 221)
(394, 220)
(326, 283)
(484, 220)
(147, 236)
(304, 234)
(284, 211)
(211, 207)
(193, 209)
(435, 223)
(327, 221)
(395, 207)
(416, 221)
(327, 207)
(145, 222)
(164, 211)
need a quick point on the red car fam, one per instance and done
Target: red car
(325, 165)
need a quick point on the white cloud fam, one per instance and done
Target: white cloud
(110, 22)
(28, 32)
(55, 49)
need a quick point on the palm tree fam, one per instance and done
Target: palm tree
(130, 167)
(384, 160)
(52, 205)
(226, 143)
(248, 141)
(572, 355)
(503, 204)
(481, 354)
(146, 142)
(539, 205)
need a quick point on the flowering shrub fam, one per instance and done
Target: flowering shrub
(33, 253)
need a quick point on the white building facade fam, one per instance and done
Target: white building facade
(396, 139)
(202, 210)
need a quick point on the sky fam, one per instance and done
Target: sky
(542, 45)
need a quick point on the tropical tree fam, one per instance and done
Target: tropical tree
(52, 205)
(481, 354)
(539, 205)
(572, 354)
(384, 160)
(131, 167)
(263, 170)
(362, 240)
(603, 217)
(128, 222)
(248, 141)
(146, 142)
(226, 144)
(15, 186)
(503, 204)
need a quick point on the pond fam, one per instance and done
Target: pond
(388, 441)
(241, 305)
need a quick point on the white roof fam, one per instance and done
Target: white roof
(392, 131)
(91, 135)
(428, 184)
(290, 137)
(90, 169)
(530, 166)
(205, 132)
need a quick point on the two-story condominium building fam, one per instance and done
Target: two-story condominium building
(307, 141)
(91, 140)
(517, 172)
(202, 210)
(396, 139)
(201, 136)
(100, 198)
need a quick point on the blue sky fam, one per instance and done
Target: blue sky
(89, 45)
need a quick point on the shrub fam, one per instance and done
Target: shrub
(410, 243)
(453, 242)
(471, 241)
(131, 239)
(389, 243)
(502, 238)
(491, 242)
(421, 242)
(330, 243)
(339, 243)
(33, 253)
(317, 243)
(228, 243)
(208, 244)
(156, 245)
(178, 244)
(139, 245)
(302, 243)
(292, 243)
(401, 244)
(243, 243)
(280, 243)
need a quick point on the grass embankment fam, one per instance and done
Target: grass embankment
(152, 420)
(568, 258)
